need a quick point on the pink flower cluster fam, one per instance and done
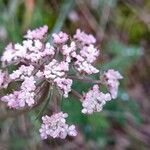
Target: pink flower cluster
(22, 72)
(18, 99)
(56, 127)
(111, 78)
(40, 62)
(37, 33)
(84, 38)
(56, 71)
(60, 38)
(94, 100)
(30, 51)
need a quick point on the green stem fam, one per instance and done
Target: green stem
(49, 97)
(88, 80)
(64, 11)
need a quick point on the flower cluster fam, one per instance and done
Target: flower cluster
(56, 126)
(22, 72)
(111, 78)
(19, 99)
(30, 51)
(84, 38)
(94, 100)
(56, 64)
(37, 33)
(60, 38)
(55, 72)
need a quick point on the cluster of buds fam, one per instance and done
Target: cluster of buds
(56, 64)
(56, 127)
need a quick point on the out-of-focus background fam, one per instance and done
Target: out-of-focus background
(122, 29)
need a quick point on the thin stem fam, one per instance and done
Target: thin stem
(56, 104)
(88, 80)
(76, 94)
(49, 97)
(90, 19)
(64, 11)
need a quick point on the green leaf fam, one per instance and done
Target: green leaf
(123, 56)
